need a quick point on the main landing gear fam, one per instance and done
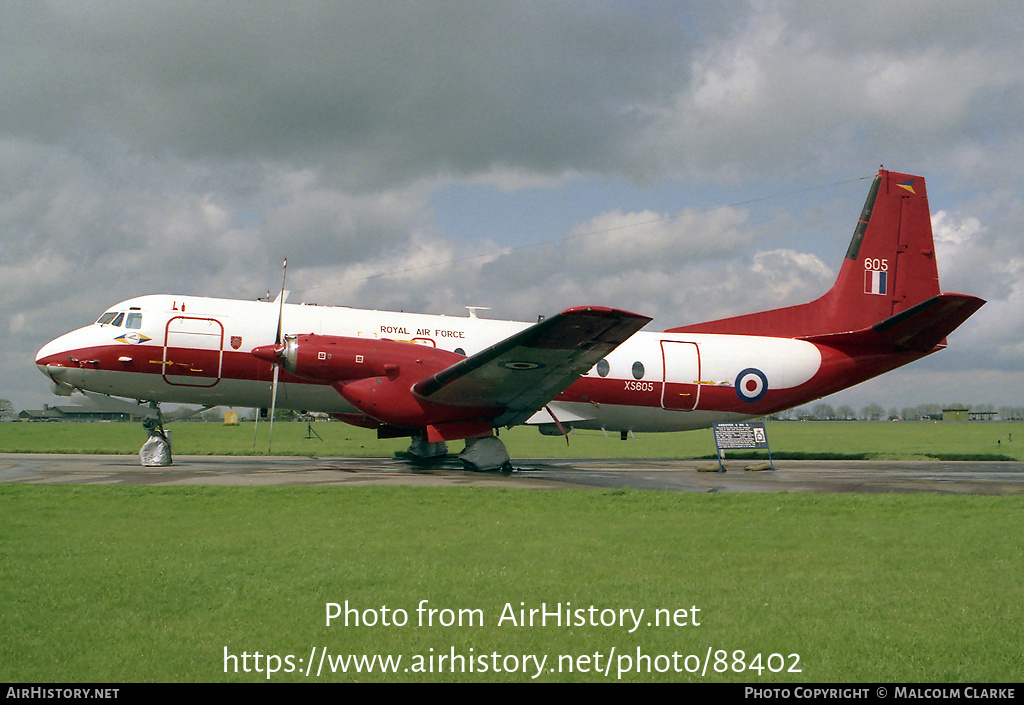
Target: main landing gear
(426, 451)
(487, 454)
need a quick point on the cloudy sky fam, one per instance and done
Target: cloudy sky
(684, 160)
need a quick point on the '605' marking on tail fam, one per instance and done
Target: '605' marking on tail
(876, 275)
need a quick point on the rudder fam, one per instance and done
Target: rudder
(890, 264)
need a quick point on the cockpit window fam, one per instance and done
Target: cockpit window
(116, 318)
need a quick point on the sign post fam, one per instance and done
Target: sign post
(745, 435)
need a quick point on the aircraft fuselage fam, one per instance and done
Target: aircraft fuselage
(197, 350)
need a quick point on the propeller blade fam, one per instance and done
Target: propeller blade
(280, 313)
(276, 364)
(255, 428)
(273, 407)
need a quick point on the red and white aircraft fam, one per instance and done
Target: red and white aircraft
(440, 378)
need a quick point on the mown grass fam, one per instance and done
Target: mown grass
(840, 440)
(116, 584)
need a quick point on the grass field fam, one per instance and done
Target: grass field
(125, 584)
(838, 440)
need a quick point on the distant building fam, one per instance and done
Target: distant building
(981, 415)
(71, 413)
(956, 414)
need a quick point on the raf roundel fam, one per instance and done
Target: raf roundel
(521, 365)
(751, 384)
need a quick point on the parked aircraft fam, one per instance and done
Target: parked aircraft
(440, 378)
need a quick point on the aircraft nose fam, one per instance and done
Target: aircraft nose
(51, 358)
(45, 354)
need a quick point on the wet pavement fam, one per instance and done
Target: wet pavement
(869, 476)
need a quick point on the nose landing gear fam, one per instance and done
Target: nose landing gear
(156, 451)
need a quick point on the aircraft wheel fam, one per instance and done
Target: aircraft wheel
(156, 451)
(485, 455)
(424, 450)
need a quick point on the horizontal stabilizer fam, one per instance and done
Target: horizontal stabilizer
(527, 370)
(918, 329)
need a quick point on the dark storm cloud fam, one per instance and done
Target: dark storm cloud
(382, 91)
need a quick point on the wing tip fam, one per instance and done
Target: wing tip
(603, 311)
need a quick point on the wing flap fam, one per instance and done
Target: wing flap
(554, 414)
(527, 370)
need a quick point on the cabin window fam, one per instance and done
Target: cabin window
(603, 368)
(107, 317)
(134, 320)
(638, 370)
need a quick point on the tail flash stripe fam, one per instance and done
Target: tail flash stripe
(875, 282)
(865, 218)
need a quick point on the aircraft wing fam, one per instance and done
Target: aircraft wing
(527, 370)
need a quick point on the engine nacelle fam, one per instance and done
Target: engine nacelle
(335, 358)
(392, 401)
(376, 376)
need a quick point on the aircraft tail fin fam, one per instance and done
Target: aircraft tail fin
(889, 269)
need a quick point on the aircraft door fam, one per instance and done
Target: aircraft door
(681, 368)
(193, 351)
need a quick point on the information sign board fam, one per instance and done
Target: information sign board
(741, 435)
